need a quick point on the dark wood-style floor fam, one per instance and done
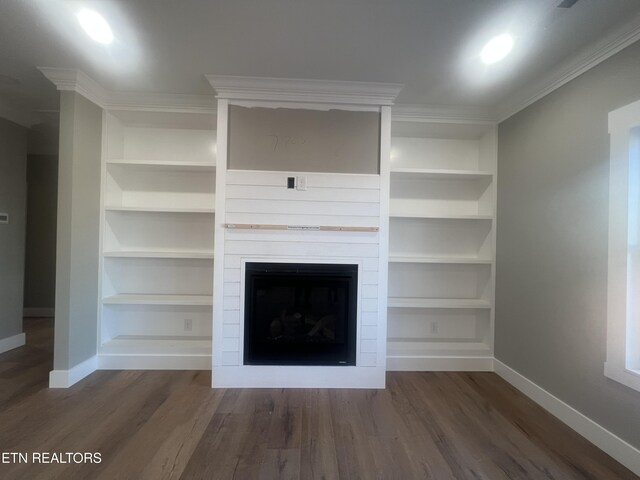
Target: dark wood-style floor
(161, 425)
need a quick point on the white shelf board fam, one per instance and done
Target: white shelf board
(441, 217)
(417, 348)
(131, 299)
(156, 345)
(151, 254)
(159, 209)
(439, 260)
(460, 303)
(441, 174)
(181, 166)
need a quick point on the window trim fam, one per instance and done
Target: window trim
(620, 348)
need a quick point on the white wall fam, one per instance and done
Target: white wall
(302, 140)
(13, 183)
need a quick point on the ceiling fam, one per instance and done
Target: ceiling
(431, 46)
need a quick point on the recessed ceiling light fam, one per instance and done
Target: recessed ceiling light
(95, 25)
(496, 49)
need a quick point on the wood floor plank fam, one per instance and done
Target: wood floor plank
(318, 458)
(354, 454)
(171, 425)
(286, 428)
(438, 418)
(162, 447)
(283, 464)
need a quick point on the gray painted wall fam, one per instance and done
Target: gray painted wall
(13, 188)
(40, 258)
(297, 140)
(77, 249)
(551, 289)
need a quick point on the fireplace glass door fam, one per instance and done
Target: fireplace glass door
(300, 314)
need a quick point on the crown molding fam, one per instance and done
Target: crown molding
(71, 79)
(442, 114)
(586, 59)
(303, 90)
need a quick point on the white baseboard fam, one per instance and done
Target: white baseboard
(10, 343)
(39, 312)
(285, 376)
(154, 362)
(623, 452)
(67, 378)
(439, 364)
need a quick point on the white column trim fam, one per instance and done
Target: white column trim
(67, 378)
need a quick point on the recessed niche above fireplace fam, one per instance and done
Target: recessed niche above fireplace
(300, 314)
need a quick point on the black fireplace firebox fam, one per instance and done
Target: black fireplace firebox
(300, 314)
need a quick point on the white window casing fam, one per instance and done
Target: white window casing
(623, 297)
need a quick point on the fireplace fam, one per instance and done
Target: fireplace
(300, 314)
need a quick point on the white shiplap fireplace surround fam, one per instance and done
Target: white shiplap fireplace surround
(255, 197)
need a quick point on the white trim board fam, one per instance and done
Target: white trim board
(71, 79)
(154, 362)
(303, 90)
(397, 363)
(269, 376)
(623, 452)
(67, 378)
(442, 114)
(12, 342)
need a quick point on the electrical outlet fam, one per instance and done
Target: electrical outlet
(301, 183)
(188, 324)
(433, 328)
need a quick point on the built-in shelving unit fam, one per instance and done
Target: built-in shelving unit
(441, 246)
(157, 240)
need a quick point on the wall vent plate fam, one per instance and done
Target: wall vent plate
(4, 218)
